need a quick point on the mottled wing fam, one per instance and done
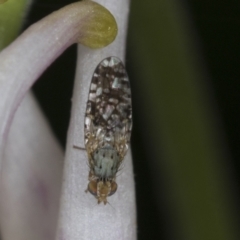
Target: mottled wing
(109, 108)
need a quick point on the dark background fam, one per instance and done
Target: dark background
(216, 29)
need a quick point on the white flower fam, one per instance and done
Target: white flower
(31, 160)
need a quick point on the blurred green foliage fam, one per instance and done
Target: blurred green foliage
(184, 142)
(12, 15)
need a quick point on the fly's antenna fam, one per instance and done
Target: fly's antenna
(111, 205)
(79, 148)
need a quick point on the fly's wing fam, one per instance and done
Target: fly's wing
(108, 119)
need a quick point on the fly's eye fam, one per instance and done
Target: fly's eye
(92, 188)
(113, 188)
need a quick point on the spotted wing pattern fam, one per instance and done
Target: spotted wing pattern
(108, 117)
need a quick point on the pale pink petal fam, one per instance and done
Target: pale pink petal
(31, 177)
(30, 158)
(30, 54)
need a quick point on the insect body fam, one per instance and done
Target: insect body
(108, 124)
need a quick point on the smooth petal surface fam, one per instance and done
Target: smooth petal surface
(26, 58)
(80, 215)
(30, 158)
(31, 177)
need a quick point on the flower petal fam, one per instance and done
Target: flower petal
(26, 58)
(80, 215)
(30, 177)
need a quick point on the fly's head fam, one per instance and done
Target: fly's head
(102, 189)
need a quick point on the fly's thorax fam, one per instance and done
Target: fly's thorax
(102, 189)
(106, 162)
